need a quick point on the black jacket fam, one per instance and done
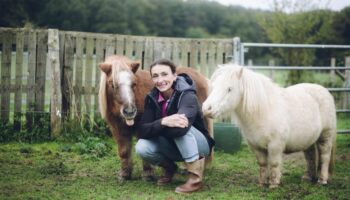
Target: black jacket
(183, 101)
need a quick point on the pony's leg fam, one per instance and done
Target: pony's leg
(311, 161)
(261, 157)
(275, 152)
(147, 174)
(325, 150)
(124, 151)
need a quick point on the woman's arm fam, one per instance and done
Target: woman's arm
(189, 107)
(149, 126)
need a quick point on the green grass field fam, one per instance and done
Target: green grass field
(56, 170)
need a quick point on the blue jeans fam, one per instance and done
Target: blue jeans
(189, 148)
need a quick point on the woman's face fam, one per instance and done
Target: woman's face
(162, 77)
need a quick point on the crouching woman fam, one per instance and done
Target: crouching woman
(172, 128)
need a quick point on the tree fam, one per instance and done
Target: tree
(292, 22)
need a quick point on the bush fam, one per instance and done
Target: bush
(94, 147)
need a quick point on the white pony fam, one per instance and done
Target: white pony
(277, 120)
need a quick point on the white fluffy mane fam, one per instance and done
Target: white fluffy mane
(258, 90)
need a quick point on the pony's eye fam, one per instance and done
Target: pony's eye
(229, 89)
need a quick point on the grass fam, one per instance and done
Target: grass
(56, 170)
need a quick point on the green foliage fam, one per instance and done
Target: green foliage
(6, 132)
(301, 27)
(94, 147)
(57, 167)
(26, 149)
(196, 32)
(75, 129)
(341, 26)
(37, 131)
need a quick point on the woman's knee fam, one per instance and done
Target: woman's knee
(145, 148)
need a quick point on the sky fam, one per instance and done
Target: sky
(335, 5)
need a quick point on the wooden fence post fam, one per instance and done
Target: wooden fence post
(53, 63)
(332, 72)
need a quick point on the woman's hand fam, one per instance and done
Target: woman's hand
(175, 120)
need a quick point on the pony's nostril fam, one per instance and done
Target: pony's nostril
(129, 111)
(209, 108)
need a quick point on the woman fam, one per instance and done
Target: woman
(172, 127)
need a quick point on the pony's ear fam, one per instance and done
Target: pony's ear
(134, 66)
(106, 68)
(240, 73)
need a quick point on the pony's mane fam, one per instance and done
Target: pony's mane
(257, 89)
(102, 95)
(117, 67)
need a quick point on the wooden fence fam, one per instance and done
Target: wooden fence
(52, 71)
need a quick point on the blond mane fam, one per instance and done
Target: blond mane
(258, 92)
(102, 96)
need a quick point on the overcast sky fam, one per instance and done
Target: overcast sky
(266, 4)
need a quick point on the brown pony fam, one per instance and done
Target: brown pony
(121, 100)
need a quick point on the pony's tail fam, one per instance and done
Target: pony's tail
(331, 166)
(333, 157)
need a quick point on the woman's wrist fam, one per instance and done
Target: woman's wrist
(162, 121)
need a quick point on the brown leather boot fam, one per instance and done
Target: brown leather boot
(169, 170)
(195, 177)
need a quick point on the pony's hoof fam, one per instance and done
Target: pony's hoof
(263, 184)
(321, 182)
(272, 186)
(124, 176)
(308, 178)
(148, 178)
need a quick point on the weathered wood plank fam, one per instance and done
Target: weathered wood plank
(32, 42)
(158, 49)
(184, 48)
(55, 74)
(175, 57)
(211, 56)
(220, 53)
(203, 48)
(100, 44)
(67, 90)
(129, 46)
(139, 49)
(90, 43)
(228, 50)
(194, 54)
(120, 41)
(110, 45)
(7, 37)
(18, 80)
(80, 44)
(148, 55)
(40, 72)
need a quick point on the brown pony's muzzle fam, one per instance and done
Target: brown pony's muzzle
(129, 113)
